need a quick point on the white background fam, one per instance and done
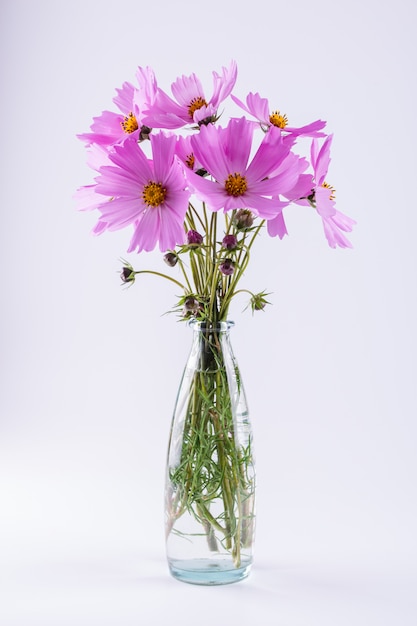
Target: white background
(89, 370)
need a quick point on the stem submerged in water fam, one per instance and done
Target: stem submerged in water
(213, 479)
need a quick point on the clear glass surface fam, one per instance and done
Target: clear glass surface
(210, 475)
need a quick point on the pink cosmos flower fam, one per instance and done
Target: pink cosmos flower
(190, 105)
(225, 152)
(150, 194)
(259, 108)
(112, 128)
(322, 197)
(314, 191)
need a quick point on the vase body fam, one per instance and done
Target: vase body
(210, 474)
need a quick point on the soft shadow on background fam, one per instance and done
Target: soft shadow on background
(89, 370)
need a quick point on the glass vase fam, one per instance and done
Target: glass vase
(210, 474)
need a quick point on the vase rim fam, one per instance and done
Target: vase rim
(198, 325)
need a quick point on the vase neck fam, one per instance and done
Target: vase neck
(208, 328)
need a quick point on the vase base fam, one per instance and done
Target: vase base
(208, 572)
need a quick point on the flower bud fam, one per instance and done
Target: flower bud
(258, 304)
(144, 132)
(227, 267)
(127, 274)
(194, 238)
(243, 219)
(191, 305)
(229, 242)
(258, 301)
(171, 259)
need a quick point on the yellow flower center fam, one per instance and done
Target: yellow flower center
(235, 185)
(195, 104)
(277, 119)
(190, 161)
(130, 124)
(154, 194)
(332, 189)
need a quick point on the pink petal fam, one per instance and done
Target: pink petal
(224, 84)
(277, 227)
(321, 159)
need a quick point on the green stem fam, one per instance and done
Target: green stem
(213, 274)
(226, 487)
(192, 209)
(162, 276)
(184, 273)
(213, 468)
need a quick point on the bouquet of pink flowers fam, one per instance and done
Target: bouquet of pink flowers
(155, 160)
(159, 154)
